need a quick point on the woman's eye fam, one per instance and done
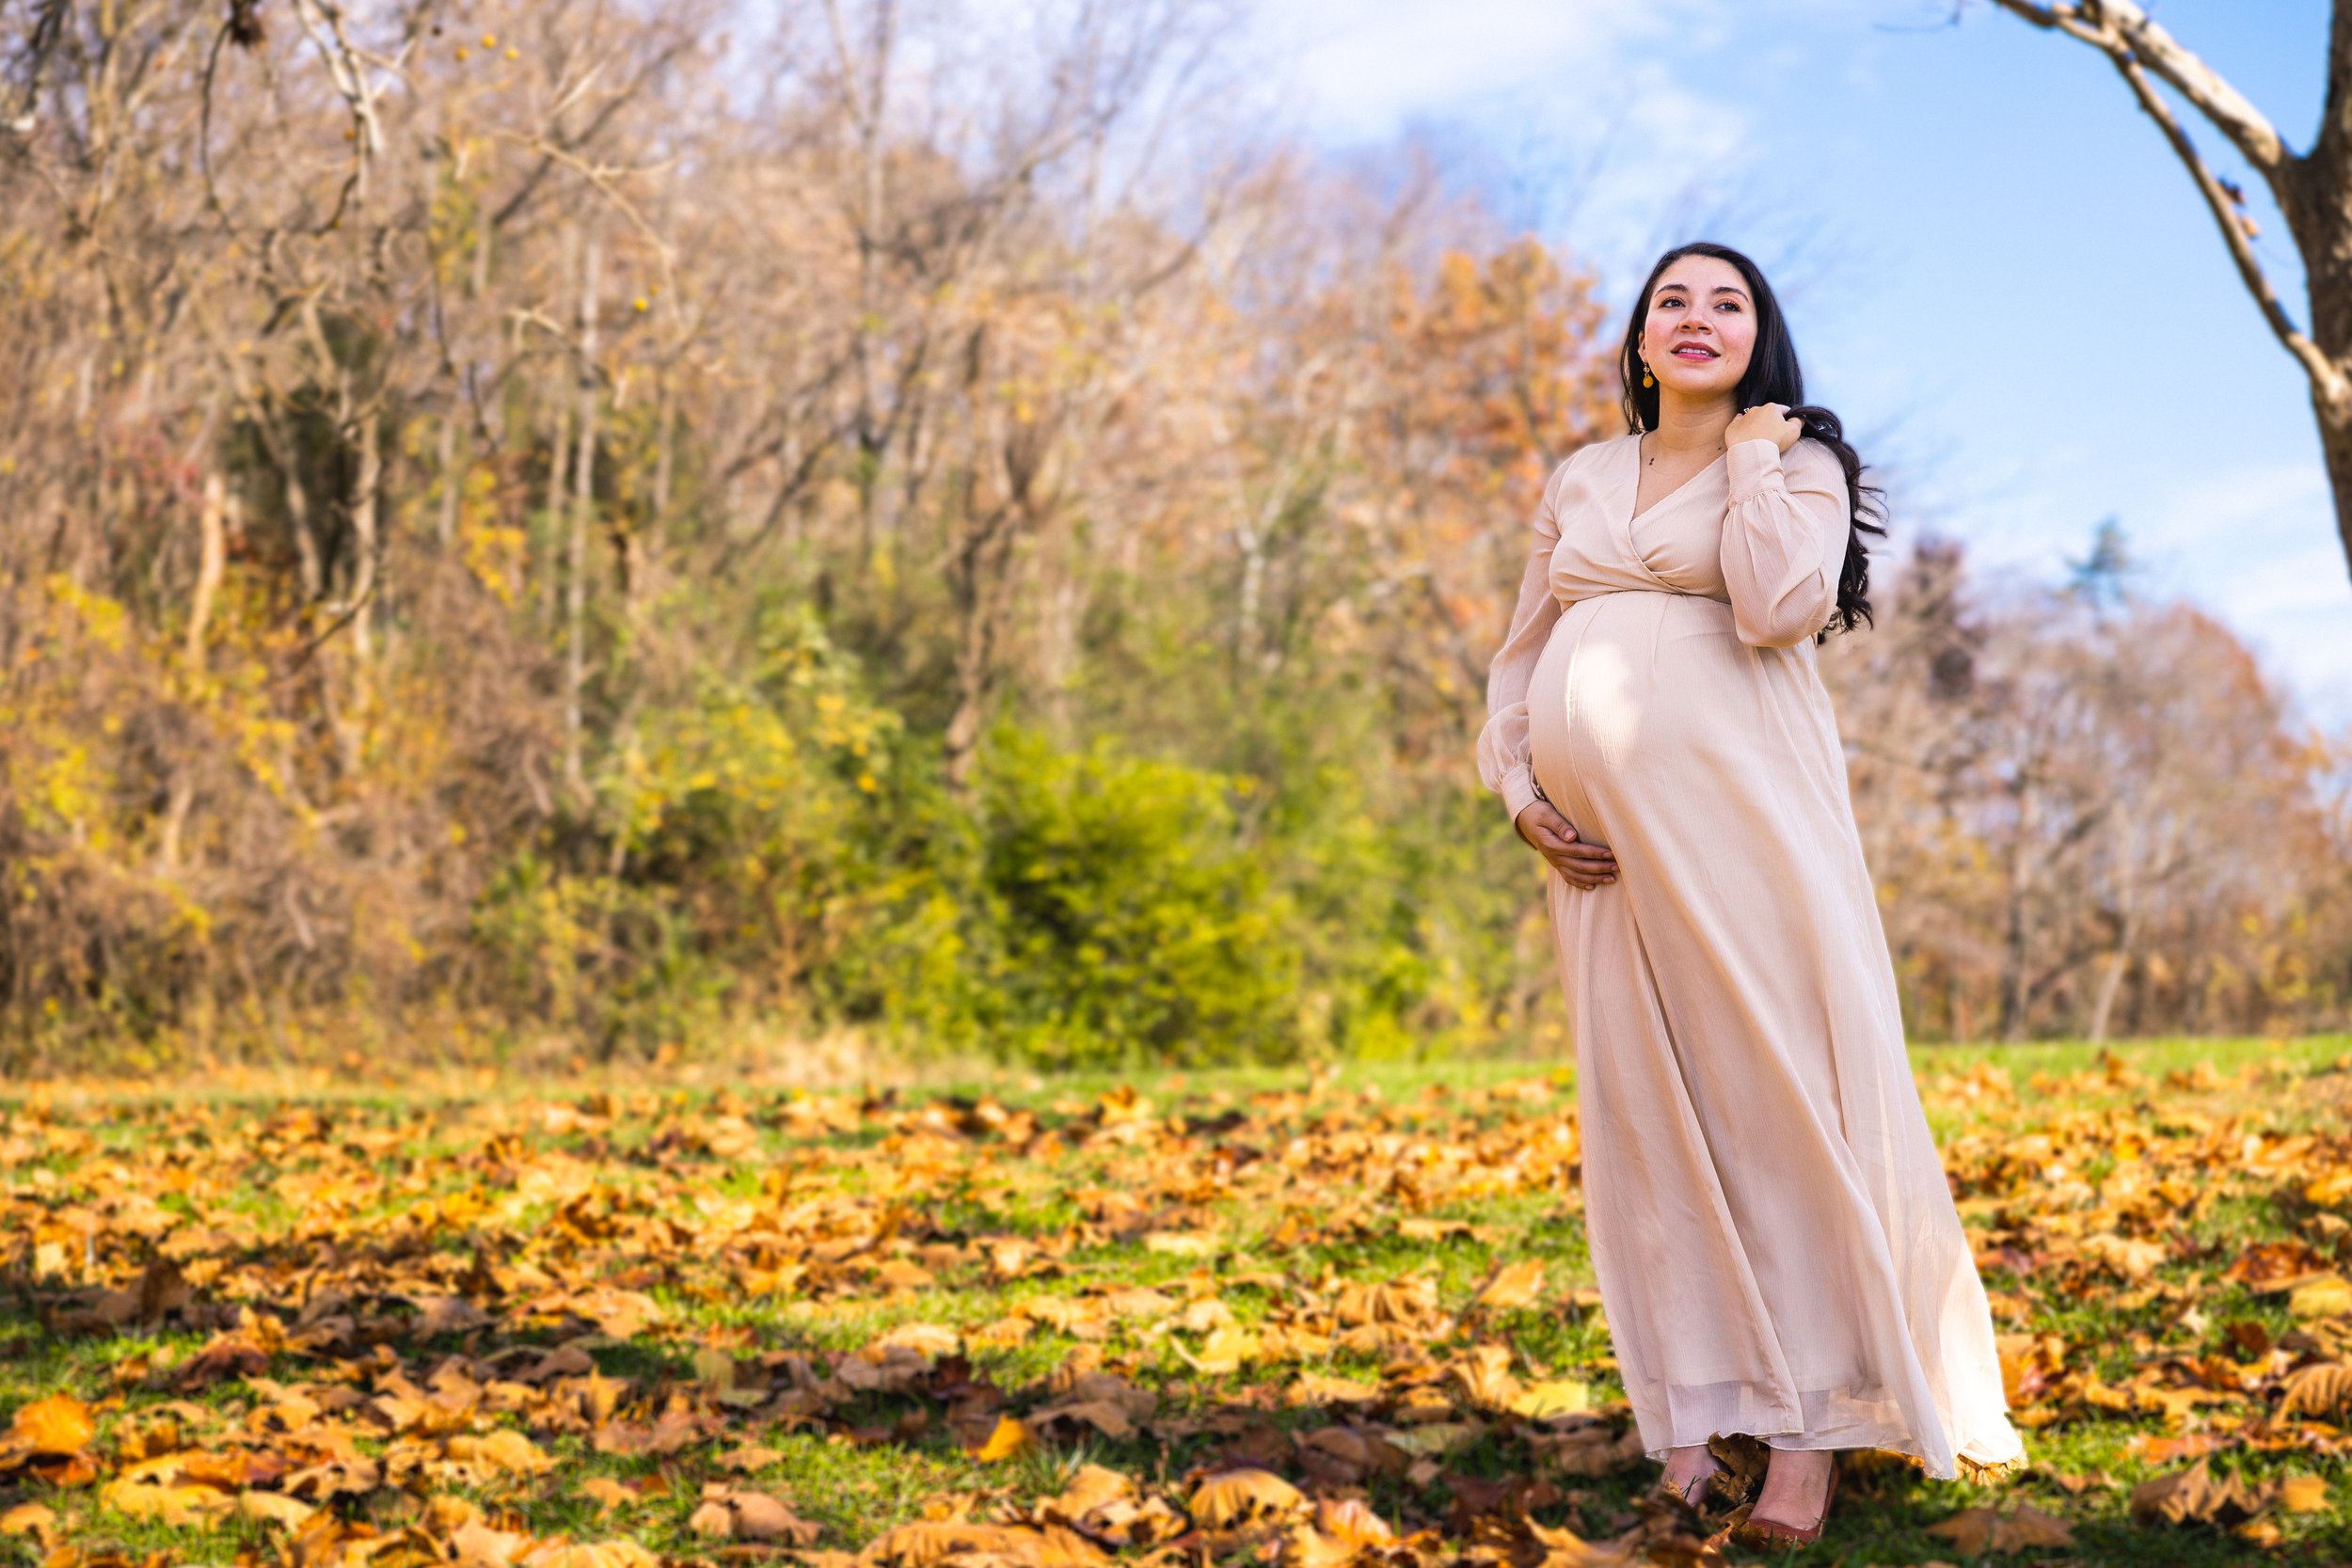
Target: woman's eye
(1732, 305)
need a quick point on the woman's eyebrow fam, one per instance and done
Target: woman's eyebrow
(1718, 288)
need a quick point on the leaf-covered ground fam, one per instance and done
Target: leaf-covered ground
(1249, 1318)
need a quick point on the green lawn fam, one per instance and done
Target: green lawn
(323, 1305)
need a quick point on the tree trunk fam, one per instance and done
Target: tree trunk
(558, 508)
(584, 506)
(2109, 983)
(366, 541)
(451, 482)
(976, 579)
(213, 559)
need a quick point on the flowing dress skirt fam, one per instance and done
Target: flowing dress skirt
(1775, 1244)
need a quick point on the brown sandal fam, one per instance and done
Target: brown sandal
(1768, 1532)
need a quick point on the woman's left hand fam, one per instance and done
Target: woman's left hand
(1765, 422)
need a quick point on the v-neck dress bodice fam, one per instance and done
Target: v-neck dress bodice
(1777, 1248)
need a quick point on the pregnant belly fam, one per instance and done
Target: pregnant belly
(1634, 691)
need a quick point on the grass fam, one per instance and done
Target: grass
(761, 1229)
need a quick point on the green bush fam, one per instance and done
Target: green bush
(784, 845)
(1125, 915)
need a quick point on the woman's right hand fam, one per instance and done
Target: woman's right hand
(1580, 865)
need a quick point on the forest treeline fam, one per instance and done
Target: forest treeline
(555, 523)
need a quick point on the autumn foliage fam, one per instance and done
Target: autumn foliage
(562, 529)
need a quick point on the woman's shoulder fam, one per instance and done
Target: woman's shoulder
(1808, 449)
(1590, 452)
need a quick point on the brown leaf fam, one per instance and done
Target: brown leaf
(2192, 1495)
(750, 1458)
(927, 1542)
(1485, 1374)
(759, 1516)
(1245, 1495)
(1245, 1498)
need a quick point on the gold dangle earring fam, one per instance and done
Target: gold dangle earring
(1647, 380)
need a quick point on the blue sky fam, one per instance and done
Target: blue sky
(1997, 272)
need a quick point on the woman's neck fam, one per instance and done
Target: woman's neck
(1692, 425)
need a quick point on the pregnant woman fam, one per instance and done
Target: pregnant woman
(1777, 1248)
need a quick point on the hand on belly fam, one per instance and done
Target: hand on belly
(1580, 865)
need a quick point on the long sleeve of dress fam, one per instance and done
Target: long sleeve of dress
(1504, 764)
(1785, 537)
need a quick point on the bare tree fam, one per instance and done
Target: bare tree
(2313, 190)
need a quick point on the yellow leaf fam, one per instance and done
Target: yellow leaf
(560, 1553)
(504, 1450)
(479, 1545)
(714, 1368)
(2304, 1493)
(1224, 1351)
(606, 1493)
(158, 1502)
(58, 1424)
(2329, 1189)
(2330, 1297)
(275, 1507)
(1562, 1397)
(1010, 1438)
(1321, 1389)
(1515, 1285)
(38, 1520)
(1437, 1437)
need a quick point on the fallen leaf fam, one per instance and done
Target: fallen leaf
(1559, 1397)
(2328, 1296)
(2303, 1494)
(59, 1424)
(38, 1520)
(157, 1502)
(275, 1507)
(1245, 1498)
(2192, 1497)
(1010, 1437)
(606, 1492)
(1514, 1285)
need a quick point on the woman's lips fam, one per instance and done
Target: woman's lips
(1693, 354)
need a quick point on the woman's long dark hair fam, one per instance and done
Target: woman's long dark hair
(1772, 376)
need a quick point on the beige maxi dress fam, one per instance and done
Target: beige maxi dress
(1777, 1248)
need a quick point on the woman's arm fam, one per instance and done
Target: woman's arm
(1785, 537)
(1504, 764)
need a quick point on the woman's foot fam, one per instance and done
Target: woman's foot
(1688, 1472)
(1795, 1500)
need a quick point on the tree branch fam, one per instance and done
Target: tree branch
(2325, 376)
(2123, 32)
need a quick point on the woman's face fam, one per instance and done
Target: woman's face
(1700, 327)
